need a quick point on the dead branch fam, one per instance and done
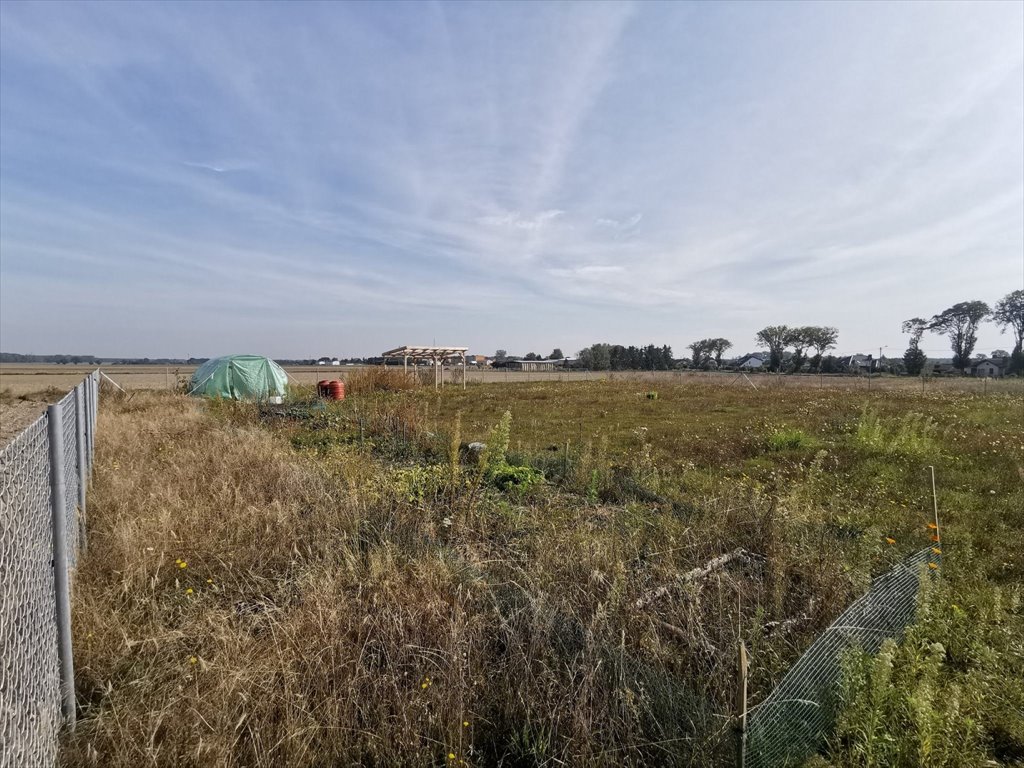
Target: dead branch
(715, 564)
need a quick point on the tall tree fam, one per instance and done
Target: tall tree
(914, 359)
(718, 348)
(1009, 313)
(667, 362)
(799, 339)
(775, 337)
(556, 354)
(822, 339)
(960, 324)
(701, 353)
(500, 355)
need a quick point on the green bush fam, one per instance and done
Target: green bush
(788, 439)
(913, 434)
(508, 477)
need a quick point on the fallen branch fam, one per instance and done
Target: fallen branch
(785, 625)
(715, 564)
(699, 640)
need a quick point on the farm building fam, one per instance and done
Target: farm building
(989, 367)
(533, 365)
(752, 362)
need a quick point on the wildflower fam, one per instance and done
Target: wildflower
(890, 539)
(451, 755)
(423, 685)
(933, 526)
(193, 660)
(933, 566)
(188, 591)
(935, 538)
(936, 550)
(465, 723)
(209, 581)
(183, 564)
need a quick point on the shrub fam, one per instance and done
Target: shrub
(378, 379)
(788, 439)
(912, 434)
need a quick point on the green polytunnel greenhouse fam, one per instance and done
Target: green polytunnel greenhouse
(239, 377)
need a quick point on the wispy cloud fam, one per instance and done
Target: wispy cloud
(624, 224)
(517, 220)
(509, 175)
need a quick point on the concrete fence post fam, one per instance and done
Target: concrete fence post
(83, 472)
(87, 424)
(62, 593)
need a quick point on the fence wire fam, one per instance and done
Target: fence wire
(30, 672)
(796, 718)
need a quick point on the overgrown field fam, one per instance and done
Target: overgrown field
(358, 584)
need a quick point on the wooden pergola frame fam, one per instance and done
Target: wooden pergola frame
(437, 355)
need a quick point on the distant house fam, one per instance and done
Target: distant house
(989, 367)
(478, 360)
(858, 363)
(752, 362)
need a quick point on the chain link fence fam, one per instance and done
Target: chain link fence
(43, 476)
(796, 718)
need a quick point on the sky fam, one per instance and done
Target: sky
(297, 180)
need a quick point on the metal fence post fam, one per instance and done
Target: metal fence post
(83, 472)
(55, 435)
(87, 424)
(92, 419)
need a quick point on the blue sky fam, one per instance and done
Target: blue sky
(305, 179)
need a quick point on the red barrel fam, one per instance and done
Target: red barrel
(336, 390)
(321, 387)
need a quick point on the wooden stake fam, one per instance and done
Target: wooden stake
(741, 706)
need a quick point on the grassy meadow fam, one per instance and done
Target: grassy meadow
(360, 583)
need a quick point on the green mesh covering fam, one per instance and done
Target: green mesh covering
(239, 377)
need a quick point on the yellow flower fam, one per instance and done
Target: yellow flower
(465, 723)
(890, 539)
(209, 581)
(183, 564)
(451, 755)
(936, 550)
(193, 660)
(933, 566)
(188, 591)
(423, 685)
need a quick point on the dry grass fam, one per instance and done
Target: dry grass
(362, 381)
(362, 595)
(344, 624)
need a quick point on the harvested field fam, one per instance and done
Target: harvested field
(349, 584)
(15, 415)
(19, 379)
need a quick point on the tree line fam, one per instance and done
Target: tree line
(808, 345)
(615, 357)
